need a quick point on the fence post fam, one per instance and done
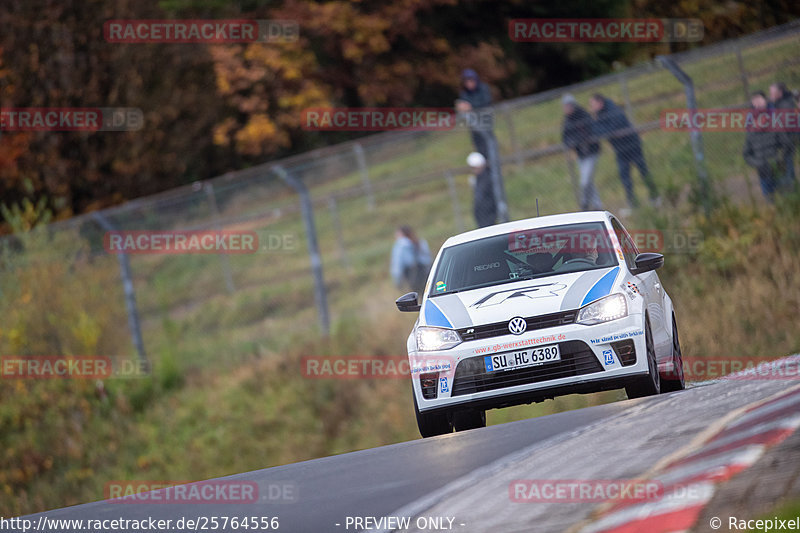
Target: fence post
(320, 296)
(696, 137)
(573, 175)
(626, 96)
(337, 228)
(361, 160)
(512, 133)
(743, 73)
(225, 261)
(130, 295)
(451, 186)
(493, 160)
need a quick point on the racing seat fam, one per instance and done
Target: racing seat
(541, 262)
(497, 270)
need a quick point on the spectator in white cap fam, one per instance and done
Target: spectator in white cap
(577, 135)
(484, 206)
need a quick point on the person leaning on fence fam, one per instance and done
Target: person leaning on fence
(475, 101)
(411, 260)
(610, 122)
(762, 147)
(484, 205)
(782, 99)
(577, 135)
(475, 106)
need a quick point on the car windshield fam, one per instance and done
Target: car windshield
(521, 255)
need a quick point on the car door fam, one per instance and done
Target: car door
(649, 286)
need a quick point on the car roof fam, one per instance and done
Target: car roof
(527, 224)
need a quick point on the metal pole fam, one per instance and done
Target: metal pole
(223, 258)
(696, 137)
(743, 73)
(337, 228)
(130, 295)
(451, 186)
(493, 160)
(573, 175)
(320, 295)
(512, 134)
(623, 81)
(361, 160)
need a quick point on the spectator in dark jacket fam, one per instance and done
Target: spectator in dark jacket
(484, 205)
(782, 99)
(762, 146)
(475, 104)
(611, 123)
(577, 135)
(475, 98)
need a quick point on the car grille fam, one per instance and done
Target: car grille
(577, 359)
(501, 328)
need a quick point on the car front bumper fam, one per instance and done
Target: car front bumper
(590, 361)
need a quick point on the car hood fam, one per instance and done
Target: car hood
(524, 298)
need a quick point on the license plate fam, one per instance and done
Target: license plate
(522, 358)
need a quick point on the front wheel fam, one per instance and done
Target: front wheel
(432, 424)
(650, 384)
(675, 379)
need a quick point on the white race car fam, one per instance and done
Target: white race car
(532, 309)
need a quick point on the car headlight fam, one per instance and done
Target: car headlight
(603, 310)
(430, 339)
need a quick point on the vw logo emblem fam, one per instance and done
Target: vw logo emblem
(517, 325)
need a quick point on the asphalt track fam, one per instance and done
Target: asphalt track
(373, 482)
(715, 426)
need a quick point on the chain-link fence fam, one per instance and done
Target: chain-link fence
(324, 259)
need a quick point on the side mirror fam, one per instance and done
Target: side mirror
(646, 262)
(408, 302)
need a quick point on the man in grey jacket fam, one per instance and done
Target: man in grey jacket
(762, 146)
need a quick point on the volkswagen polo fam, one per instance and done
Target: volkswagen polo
(533, 309)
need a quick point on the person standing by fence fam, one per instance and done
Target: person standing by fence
(577, 134)
(611, 122)
(411, 260)
(782, 100)
(475, 105)
(762, 145)
(475, 101)
(484, 206)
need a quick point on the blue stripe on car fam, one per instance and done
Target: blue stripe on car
(435, 317)
(601, 288)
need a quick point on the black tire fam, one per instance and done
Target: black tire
(472, 419)
(674, 380)
(650, 384)
(432, 424)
